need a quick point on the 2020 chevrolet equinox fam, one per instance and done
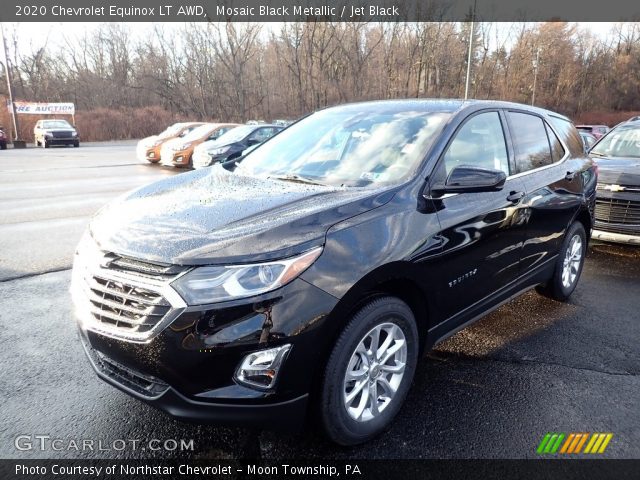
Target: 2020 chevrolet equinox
(322, 263)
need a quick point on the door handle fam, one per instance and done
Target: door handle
(570, 176)
(515, 197)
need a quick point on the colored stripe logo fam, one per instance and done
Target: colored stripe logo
(574, 443)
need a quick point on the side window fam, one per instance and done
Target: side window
(568, 133)
(557, 151)
(218, 133)
(480, 143)
(530, 141)
(261, 134)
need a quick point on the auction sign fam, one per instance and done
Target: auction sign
(38, 108)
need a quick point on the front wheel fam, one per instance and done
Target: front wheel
(76, 144)
(568, 265)
(369, 371)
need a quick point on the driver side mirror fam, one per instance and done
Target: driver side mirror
(468, 179)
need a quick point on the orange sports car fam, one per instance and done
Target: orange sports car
(149, 148)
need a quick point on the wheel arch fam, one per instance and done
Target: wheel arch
(389, 280)
(584, 217)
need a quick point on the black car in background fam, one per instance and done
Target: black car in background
(618, 200)
(231, 145)
(587, 139)
(314, 274)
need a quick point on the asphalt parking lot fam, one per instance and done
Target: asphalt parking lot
(491, 391)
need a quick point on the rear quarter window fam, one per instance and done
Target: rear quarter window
(568, 134)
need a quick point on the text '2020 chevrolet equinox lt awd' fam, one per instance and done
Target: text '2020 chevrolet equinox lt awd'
(329, 258)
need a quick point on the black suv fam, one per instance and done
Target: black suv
(329, 258)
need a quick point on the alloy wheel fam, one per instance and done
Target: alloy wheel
(572, 261)
(374, 372)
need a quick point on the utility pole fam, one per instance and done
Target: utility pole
(7, 73)
(466, 85)
(535, 76)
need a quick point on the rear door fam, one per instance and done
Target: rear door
(552, 183)
(482, 233)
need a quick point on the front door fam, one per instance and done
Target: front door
(482, 233)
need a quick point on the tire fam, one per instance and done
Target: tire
(44, 143)
(76, 144)
(354, 422)
(568, 266)
(3, 145)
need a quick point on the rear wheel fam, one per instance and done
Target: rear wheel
(369, 371)
(568, 264)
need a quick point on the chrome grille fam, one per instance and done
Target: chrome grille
(125, 298)
(125, 306)
(617, 215)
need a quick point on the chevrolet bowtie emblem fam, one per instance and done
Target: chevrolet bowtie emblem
(614, 188)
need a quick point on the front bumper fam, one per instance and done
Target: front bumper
(615, 237)
(176, 159)
(148, 155)
(286, 415)
(62, 141)
(188, 369)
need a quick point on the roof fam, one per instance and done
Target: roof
(445, 105)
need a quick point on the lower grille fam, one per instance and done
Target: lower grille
(617, 215)
(136, 381)
(61, 134)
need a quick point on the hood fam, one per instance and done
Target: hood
(173, 142)
(148, 141)
(212, 216)
(618, 171)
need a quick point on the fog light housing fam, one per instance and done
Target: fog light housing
(260, 369)
(152, 154)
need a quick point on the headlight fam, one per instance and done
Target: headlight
(218, 151)
(74, 133)
(218, 284)
(87, 254)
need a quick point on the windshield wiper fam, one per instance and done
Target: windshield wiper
(298, 179)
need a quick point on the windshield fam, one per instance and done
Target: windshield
(623, 141)
(56, 124)
(348, 147)
(236, 134)
(198, 133)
